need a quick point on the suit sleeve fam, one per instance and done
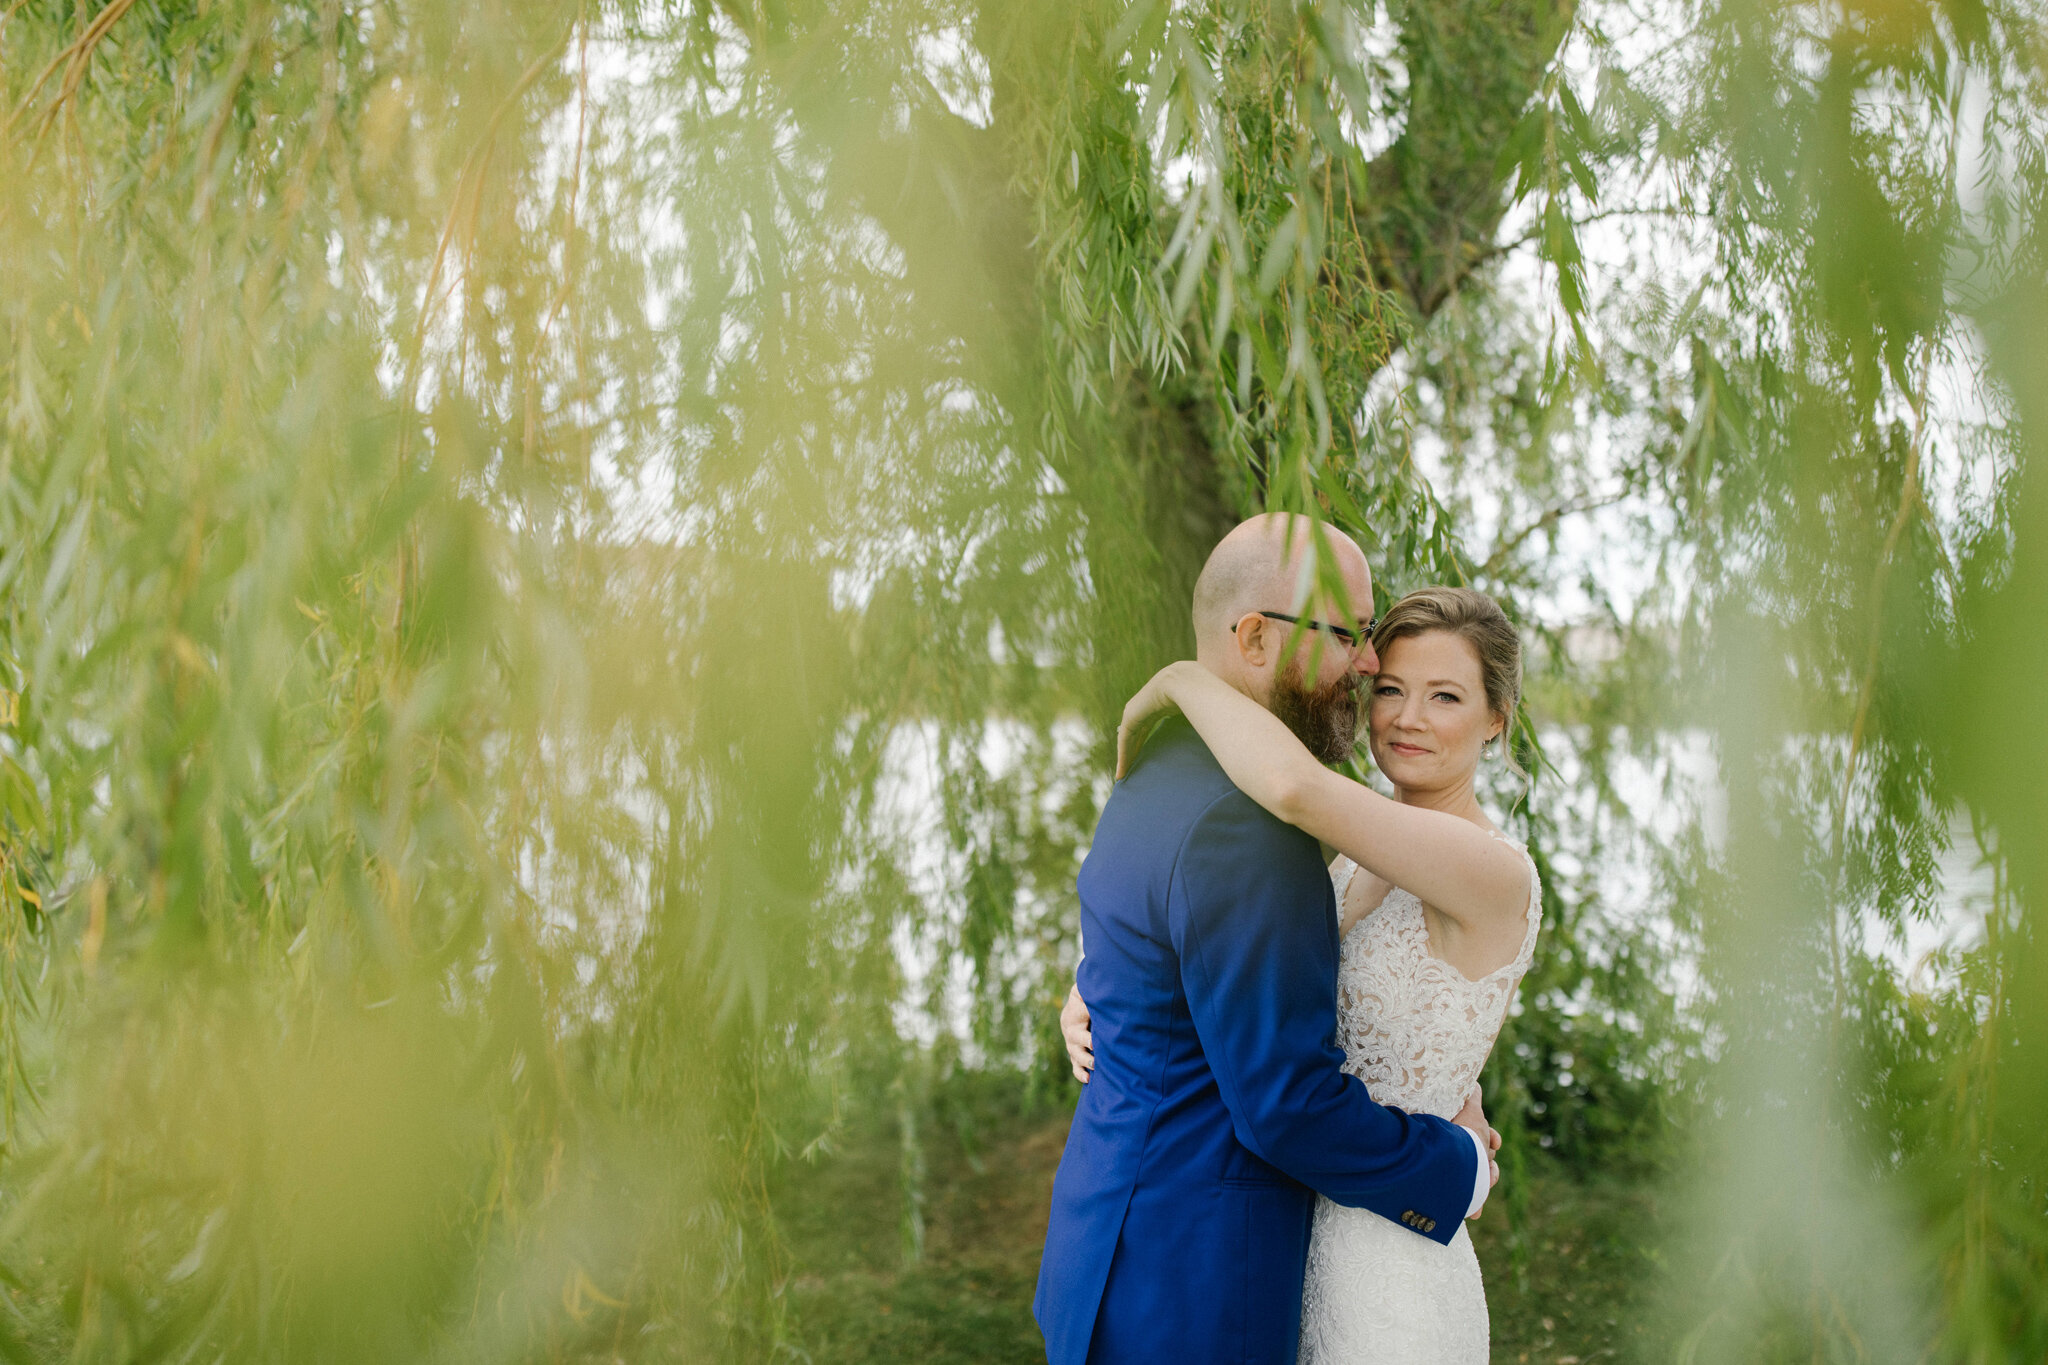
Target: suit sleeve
(1249, 911)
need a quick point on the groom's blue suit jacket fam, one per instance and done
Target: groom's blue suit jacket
(1181, 1211)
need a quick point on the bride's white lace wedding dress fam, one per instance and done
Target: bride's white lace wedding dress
(1417, 1032)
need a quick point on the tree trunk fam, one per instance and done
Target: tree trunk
(1427, 210)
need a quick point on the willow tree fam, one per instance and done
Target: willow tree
(1810, 363)
(567, 568)
(487, 491)
(1862, 462)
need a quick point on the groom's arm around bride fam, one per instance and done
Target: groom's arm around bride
(1253, 948)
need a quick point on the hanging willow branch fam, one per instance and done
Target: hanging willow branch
(76, 59)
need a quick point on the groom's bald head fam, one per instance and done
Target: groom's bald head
(1267, 564)
(1307, 676)
(1303, 676)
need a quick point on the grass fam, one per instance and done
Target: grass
(1585, 1289)
(987, 1190)
(1581, 1295)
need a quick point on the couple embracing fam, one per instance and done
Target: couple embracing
(1280, 1136)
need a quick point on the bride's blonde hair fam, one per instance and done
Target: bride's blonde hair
(1477, 619)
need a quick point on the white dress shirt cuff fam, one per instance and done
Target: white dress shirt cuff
(1480, 1184)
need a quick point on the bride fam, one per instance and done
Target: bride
(1432, 951)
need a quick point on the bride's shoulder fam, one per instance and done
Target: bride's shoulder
(1520, 846)
(1532, 908)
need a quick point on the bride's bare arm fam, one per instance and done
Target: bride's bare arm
(1449, 862)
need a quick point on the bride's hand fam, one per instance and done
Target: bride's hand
(1473, 1116)
(1080, 1041)
(1142, 712)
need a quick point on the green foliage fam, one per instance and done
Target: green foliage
(566, 572)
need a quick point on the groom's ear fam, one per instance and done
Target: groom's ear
(1254, 639)
(1250, 634)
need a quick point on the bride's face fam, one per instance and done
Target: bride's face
(1428, 716)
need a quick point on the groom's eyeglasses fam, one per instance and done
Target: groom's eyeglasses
(1350, 638)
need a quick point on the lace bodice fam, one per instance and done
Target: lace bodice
(1414, 1028)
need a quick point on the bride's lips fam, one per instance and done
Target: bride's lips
(1407, 750)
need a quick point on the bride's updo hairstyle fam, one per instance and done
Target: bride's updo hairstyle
(1478, 620)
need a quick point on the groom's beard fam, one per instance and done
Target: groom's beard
(1324, 718)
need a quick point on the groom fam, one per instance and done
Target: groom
(1217, 1109)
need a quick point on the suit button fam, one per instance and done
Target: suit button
(1429, 1225)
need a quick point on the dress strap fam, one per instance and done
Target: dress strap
(1342, 870)
(1533, 913)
